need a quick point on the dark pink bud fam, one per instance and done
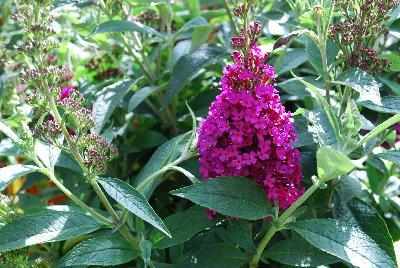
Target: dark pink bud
(65, 92)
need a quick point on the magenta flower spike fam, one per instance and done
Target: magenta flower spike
(248, 132)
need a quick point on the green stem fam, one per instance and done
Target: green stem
(137, 60)
(123, 230)
(232, 22)
(71, 196)
(262, 245)
(322, 49)
(278, 224)
(104, 200)
(379, 129)
(345, 100)
(71, 143)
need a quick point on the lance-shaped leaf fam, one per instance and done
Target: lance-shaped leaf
(10, 173)
(108, 99)
(189, 65)
(332, 163)
(105, 250)
(45, 226)
(343, 240)
(369, 220)
(298, 252)
(361, 82)
(134, 201)
(233, 196)
(120, 26)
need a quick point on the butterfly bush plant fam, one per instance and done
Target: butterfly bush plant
(252, 133)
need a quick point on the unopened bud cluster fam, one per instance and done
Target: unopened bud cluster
(49, 85)
(364, 22)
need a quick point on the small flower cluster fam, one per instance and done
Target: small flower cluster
(364, 23)
(367, 59)
(248, 132)
(34, 22)
(8, 210)
(96, 151)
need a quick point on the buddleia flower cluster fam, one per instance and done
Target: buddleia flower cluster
(364, 21)
(49, 86)
(248, 132)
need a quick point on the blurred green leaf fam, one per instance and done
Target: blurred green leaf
(120, 26)
(189, 65)
(392, 156)
(108, 99)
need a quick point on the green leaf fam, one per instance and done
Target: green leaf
(390, 105)
(344, 241)
(183, 226)
(394, 62)
(290, 60)
(199, 37)
(164, 155)
(332, 163)
(241, 233)
(192, 24)
(345, 190)
(106, 250)
(314, 54)
(10, 173)
(140, 96)
(215, 256)
(189, 65)
(45, 226)
(9, 133)
(394, 86)
(361, 82)
(133, 200)
(286, 39)
(107, 100)
(194, 7)
(120, 26)
(47, 153)
(296, 89)
(145, 248)
(298, 252)
(322, 130)
(232, 196)
(392, 156)
(330, 115)
(351, 120)
(372, 224)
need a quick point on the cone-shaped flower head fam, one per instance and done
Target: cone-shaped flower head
(249, 133)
